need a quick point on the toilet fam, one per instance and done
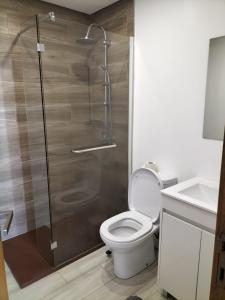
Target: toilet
(129, 235)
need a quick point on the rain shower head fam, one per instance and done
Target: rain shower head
(87, 40)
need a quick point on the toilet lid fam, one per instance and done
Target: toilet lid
(144, 193)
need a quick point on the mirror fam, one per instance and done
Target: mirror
(214, 119)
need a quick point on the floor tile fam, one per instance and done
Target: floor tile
(149, 290)
(12, 284)
(119, 289)
(84, 265)
(39, 289)
(85, 284)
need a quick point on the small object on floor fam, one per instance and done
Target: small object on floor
(108, 252)
(133, 298)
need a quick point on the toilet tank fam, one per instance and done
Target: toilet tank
(168, 179)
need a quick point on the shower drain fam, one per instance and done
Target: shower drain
(133, 298)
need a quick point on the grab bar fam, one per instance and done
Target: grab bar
(94, 148)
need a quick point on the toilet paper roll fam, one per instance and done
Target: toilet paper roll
(152, 165)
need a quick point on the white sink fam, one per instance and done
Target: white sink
(195, 199)
(203, 193)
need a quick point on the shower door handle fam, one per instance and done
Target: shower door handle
(94, 148)
(5, 221)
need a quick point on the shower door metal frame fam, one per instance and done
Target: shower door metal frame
(40, 50)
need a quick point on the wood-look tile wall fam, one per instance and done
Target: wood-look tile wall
(22, 154)
(23, 184)
(117, 18)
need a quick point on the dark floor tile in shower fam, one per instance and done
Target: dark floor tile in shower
(24, 260)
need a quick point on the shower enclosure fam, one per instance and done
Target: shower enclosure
(77, 103)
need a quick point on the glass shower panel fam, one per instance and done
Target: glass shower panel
(85, 188)
(34, 140)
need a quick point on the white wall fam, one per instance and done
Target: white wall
(171, 56)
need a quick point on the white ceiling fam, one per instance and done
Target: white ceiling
(86, 6)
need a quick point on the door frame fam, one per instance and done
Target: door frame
(3, 282)
(218, 276)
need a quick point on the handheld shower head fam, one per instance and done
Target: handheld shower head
(51, 16)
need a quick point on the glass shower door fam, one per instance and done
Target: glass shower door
(35, 139)
(85, 188)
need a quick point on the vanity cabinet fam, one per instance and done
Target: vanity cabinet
(186, 255)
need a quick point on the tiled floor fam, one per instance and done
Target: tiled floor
(90, 278)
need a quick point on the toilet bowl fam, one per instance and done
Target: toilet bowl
(129, 235)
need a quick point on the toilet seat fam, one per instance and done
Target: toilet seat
(144, 193)
(126, 227)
